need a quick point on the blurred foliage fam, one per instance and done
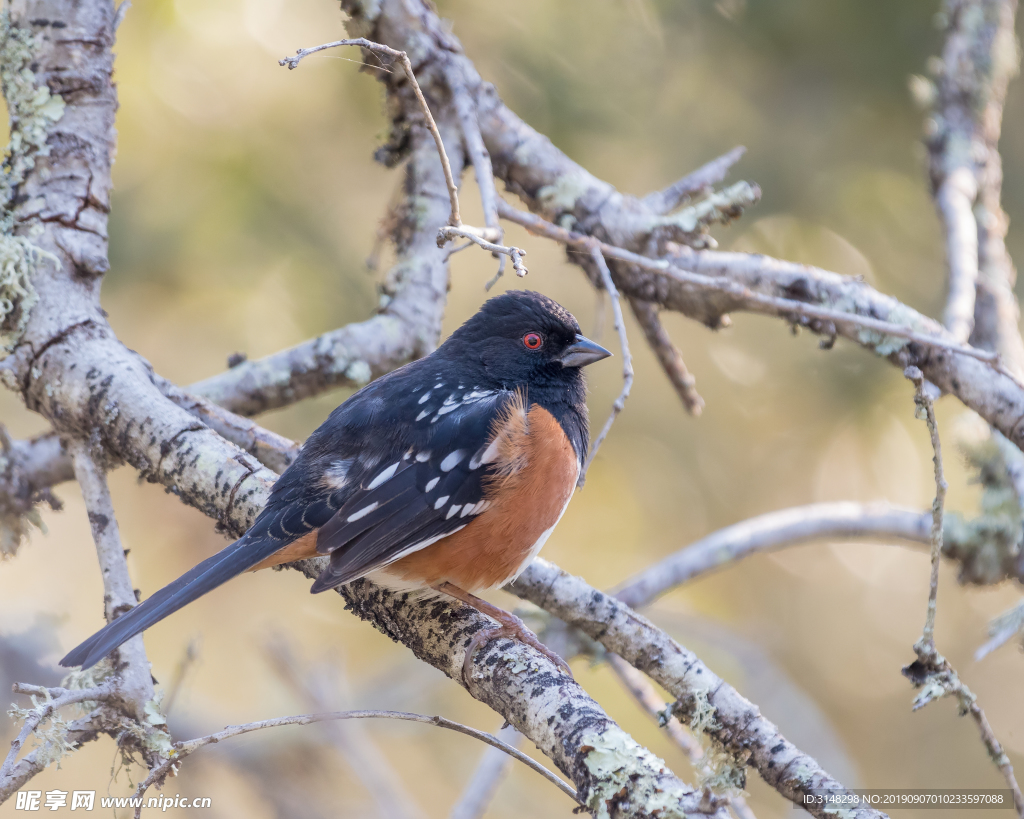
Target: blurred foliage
(245, 203)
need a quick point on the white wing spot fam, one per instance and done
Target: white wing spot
(441, 502)
(422, 457)
(425, 397)
(362, 513)
(453, 511)
(420, 417)
(336, 475)
(491, 453)
(468, 509)
(386, 475)
(452, 460)
(438, 385)
(432, 483)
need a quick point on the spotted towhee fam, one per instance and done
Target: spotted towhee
(447, 474)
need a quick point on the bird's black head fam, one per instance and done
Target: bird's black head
(522, 337)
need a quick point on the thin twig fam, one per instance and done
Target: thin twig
(1002, 630)
(185, 748)
(118, 592)
(186, 661)
(786, 307)
(647, 698)
(446, 233)
(56, 698)
(925, 406)
(453, 191)
(627, 359)
(698, 181)
(931, 672)
(668, 354)
(490, 236)
(483, 784)
(325, 693)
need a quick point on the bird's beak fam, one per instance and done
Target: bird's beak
(582, 352)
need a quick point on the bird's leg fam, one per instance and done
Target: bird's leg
(508, 626)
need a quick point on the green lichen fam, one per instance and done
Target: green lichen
(721, 207)
(33, 110)
(721, 772)
(51, 734)
(988, 544)
(623, 769)
(561, 196)
(882, 343)
(702, 713)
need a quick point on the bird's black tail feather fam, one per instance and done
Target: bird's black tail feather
(241, 555)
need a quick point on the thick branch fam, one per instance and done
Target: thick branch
(535, 696)
(703, 699)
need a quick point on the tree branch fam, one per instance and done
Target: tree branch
(931, 672)
(668, 355)
(785, 527)
(704, 701)
(627, 359)
(696, 182)
(190, 746)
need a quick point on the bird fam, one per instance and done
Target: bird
(444, 477)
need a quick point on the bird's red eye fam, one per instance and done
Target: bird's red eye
(533, 341)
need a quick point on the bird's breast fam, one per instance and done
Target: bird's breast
(534, 477)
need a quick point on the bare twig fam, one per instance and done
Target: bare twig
(781, 528)
(1001, 630)
(668, 354)
(483, 783)
(453, 190)
(186, 747)
(647, 698)
(926, 408)
(789, 308)
(118, 592)
(364, 759)
(184, 664)
(627, 359)
(488, 237)
(446, 233)
(931, 672)
(698, 181)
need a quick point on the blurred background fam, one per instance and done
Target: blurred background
(245, 204)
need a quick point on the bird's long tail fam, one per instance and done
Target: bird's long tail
(241, 555)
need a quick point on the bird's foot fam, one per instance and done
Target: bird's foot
(508, 626)
(514, 628)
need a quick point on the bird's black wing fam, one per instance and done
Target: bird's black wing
(432, 487)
